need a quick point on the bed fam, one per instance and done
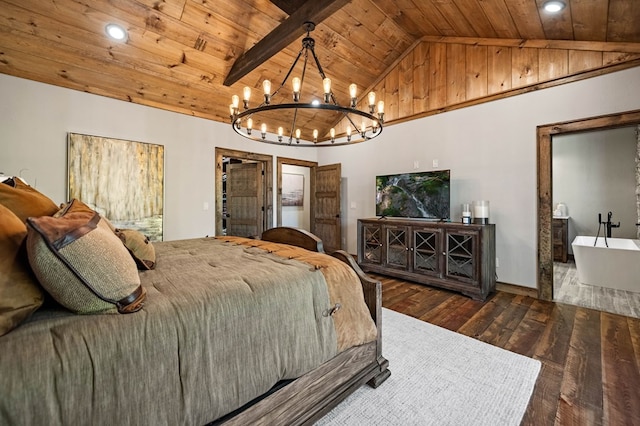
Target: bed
(233, 331)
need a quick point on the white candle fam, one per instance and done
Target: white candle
(481, 211)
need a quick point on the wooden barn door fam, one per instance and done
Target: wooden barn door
(245, 199)
(325, 220)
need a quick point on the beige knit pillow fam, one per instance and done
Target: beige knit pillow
(82, 263)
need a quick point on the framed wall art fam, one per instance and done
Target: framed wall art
(120, 179)
(292, 189)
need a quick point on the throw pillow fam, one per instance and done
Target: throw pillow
(82, 206)
(24, 200)
(81, 262)
(20, 293)
(139, 246)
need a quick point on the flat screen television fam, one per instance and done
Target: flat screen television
(415, 195)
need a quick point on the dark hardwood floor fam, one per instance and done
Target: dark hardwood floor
(590, 359)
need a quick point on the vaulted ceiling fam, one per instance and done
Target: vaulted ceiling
(180, 52)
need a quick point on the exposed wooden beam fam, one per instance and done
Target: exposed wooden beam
(289, 6)
(282, 36)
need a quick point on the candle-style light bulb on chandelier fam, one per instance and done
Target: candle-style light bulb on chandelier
(279, 123)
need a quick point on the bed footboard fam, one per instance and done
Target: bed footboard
(308, 398)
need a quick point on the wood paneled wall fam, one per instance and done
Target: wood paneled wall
(440, 74)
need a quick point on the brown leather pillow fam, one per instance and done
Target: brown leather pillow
(139, 246)
(20, 293)
(82, 264)
(24, 200)
(81, 207)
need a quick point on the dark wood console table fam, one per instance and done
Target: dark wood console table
(450, 255)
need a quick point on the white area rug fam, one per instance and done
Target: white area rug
(439, 377)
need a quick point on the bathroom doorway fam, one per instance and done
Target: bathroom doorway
(594, 176)
(545, 136)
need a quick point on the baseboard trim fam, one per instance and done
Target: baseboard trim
(516, 289)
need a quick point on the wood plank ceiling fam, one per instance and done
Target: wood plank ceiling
(179, 52)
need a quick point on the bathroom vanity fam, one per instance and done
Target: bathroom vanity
(560, 232)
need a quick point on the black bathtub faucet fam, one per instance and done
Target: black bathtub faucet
(608, 224)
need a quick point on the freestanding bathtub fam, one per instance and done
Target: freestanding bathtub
(616, 266)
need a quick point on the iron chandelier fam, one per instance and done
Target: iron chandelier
(258, 123)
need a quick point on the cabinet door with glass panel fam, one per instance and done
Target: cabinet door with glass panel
(397, 244)
(371, 239)
(425, 249)
(461, 256)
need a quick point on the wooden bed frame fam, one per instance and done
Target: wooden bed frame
(308, 398)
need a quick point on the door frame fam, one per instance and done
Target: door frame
(545, 187)
(312, 165)
(267, 161)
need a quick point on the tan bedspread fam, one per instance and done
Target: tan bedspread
(223, 323)
(352, 320)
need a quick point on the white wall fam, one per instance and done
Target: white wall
(35, 119)
(491, 151)
(594, 172)
(298, 216)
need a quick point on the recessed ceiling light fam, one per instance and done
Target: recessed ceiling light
(554, 6)
(116, 32)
